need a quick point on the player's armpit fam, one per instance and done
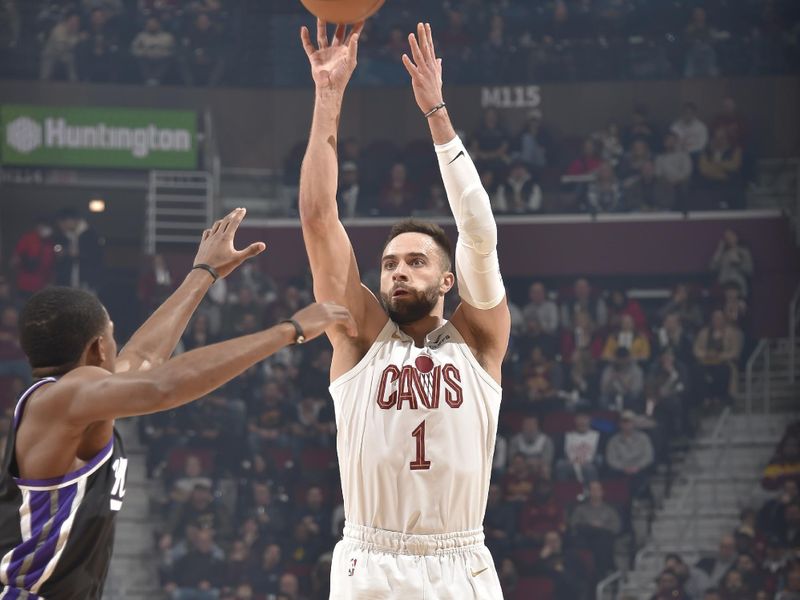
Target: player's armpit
(486, 331)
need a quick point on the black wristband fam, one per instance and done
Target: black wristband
(211, 270)
(438, 107)
(299, 337)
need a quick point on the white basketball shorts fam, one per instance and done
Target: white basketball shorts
(375, 564)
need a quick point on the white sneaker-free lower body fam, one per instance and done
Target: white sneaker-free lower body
(375, 564)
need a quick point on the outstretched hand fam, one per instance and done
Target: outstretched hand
(216, 247)
(332, 64)
(425, 69)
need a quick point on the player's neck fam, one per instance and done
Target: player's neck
(418, 330)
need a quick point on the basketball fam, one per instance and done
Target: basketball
(343, 11)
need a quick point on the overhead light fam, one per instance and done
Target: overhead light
(97, 205)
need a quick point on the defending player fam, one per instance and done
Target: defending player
(416, 397)
(63, 477)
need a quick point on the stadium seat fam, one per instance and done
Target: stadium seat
(177, 459)
(566, 492)
(534, 588)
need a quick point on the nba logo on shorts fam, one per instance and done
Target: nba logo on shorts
(351, 571)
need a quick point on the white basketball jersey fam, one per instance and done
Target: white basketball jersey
(415, 434)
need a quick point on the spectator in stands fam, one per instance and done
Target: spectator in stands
(435, 203)
(752, 576)
(674, 165)
(608, 140)
(720, 176)
(588, 162)
(349, 188)
(198, 574)
(581, 451)
(672, 336)
(34, 258)
(199, 333)
(717, 350)
(78, 252)
(771, 516)
(398, 193)
(693, 582)
(541, 308)
(583, 300)
(59, 51)
(733, 262)
(785, 464)
(490, 143)
(518, 482)
(685, 307)
(260, 505)
(581, 349)
(732, 121)
(541, 514)
(238, 566)
(640, 128)
(98, 50)
(289, 587)
(596, 524)
(271, 419)
(315, 515)
(716, 567)
(543, 378)
(669, 587)
(691, 132)
(519, 193)
(637, 156)
(792, 589)
(604, 193)
(266, 576)
(154, 49)
(620, 304)
(629, 453)
(203, 58)
(563, 567)
(666, 390)
(734, 588)
(499, 524)
(622, 383)
(199, 511)
(13, 362)
(192, 476)
(646, 192)
(701, 57)
(535, 145)
(532, 443)
(629, 337)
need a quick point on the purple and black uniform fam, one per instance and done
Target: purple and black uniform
(56, 535)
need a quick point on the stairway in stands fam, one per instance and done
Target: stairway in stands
(133, 573)
(720, 474)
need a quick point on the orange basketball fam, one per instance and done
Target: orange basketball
(343, 11)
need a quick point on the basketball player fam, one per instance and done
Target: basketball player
(416, 397)
(63, 477)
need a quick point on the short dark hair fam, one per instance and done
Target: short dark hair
(430, 229)
(57, 323)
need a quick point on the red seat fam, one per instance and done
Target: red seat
(318, 459)
(558, 422)
(566, 492)
(534, 588)
(176, 460)
(511, 420)
(279, 457)
(617, 491)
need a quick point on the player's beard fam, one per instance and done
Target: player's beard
(417, 305)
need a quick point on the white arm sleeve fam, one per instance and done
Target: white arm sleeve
(478, 269)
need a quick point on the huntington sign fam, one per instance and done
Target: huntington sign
(98, 137)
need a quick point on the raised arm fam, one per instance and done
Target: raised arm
(154, 342)
(330, 253)
(483, 317)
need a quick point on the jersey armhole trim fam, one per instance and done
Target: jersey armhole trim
(70, 478)
(384, 335)
(482, 373)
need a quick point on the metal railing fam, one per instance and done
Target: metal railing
(794, 318)
(605, 585)
(761, 355)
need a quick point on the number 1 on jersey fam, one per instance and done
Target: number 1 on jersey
(419, 462)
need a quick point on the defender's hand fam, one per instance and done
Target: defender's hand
(216, 247)
(332, 64)
(425, 69)
(316, 318)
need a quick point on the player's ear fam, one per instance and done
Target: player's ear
(448, 281)
(96, 352)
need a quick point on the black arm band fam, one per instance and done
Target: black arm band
(299, 337)
(211, 270)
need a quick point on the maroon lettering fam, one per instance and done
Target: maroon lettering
(454, 396)
(390, 375)
(406, 388)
